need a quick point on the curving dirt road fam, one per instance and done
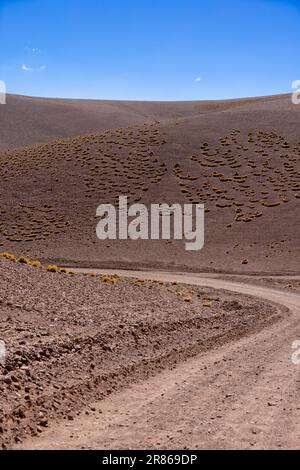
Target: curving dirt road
(242, 395)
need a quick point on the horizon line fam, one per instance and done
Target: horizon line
(279, 95)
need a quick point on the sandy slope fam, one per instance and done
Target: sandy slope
(241, 395)
(238, 158)
(29, 120)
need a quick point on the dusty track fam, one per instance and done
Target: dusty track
(242, 395)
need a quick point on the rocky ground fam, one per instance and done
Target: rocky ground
(73, 339)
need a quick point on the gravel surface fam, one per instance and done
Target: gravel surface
(74, 339)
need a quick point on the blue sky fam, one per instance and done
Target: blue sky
(149, 49)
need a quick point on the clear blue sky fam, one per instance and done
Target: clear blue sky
(149, 49)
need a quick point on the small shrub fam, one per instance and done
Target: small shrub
(218, 315)
(8, 256)
(108, 279)
(52, 268)
(36, 264)
(24, 260)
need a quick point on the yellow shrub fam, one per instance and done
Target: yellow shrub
(24, 260)
(36, 264)
(52, 268)
(8, 256)
(218, 315)
(108, 279)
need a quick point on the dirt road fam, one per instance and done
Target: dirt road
(242, 395)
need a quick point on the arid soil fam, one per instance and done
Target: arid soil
(29, 120)
(163, 356)
(239, 158)
(73, 339)
(240, 395)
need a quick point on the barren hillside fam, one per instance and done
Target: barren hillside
(239, 158)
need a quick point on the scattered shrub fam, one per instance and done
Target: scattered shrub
(24, 260)
(8, 256)
(36, 264)
(52, 268)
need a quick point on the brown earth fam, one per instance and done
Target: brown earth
(241, 395)
(240, 158)
(29, 120)
(73, 339)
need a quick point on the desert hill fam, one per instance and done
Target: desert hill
(29, 120)
(240, 158)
